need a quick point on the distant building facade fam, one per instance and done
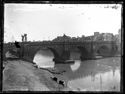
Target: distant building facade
(108, 37)
(96, 37)
(103, 36)
(62, 38)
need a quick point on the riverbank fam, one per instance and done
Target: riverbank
(20, 75)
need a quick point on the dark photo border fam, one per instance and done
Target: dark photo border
(57, 2)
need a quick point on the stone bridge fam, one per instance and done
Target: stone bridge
(61, 50)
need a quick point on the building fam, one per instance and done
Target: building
(96, 33)
(103, 36)
(63, 38)
(98, 37)
(108, 36)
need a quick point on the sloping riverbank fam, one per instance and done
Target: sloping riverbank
(20, 75)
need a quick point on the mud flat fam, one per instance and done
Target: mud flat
(20, 75)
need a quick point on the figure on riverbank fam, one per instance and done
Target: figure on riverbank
(54, 79)
(61, 83)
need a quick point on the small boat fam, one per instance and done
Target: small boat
(59, 61)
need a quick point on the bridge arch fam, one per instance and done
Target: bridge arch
(30, 52)
(43, 56)
(103, 50)
(106, 50)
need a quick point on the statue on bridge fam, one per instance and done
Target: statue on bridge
(24, 38)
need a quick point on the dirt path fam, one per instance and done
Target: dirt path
(22, 76)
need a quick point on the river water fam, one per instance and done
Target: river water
(90, 75)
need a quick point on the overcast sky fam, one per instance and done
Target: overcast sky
(47, 21)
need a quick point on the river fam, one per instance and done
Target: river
(90, 75)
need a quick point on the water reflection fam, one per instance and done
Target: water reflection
(102, 74)
(76, 65)
(102, 81)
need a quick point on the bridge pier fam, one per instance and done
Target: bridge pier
(85, 54)
(65, 55)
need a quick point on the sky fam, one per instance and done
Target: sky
(47, 21)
